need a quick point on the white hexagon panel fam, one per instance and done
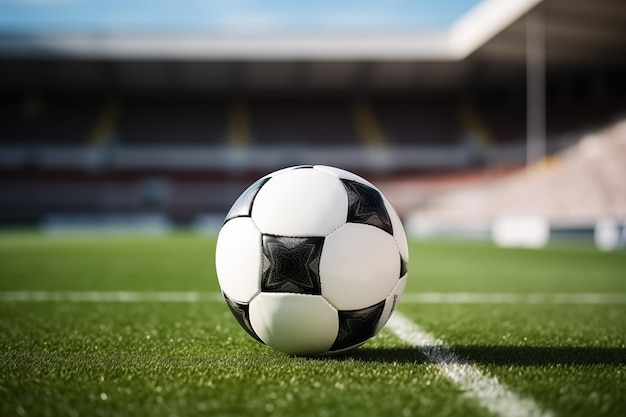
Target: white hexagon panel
(298, 324)
(360, 265)
(300, 202)
(238, 259)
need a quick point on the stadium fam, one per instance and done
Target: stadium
(498, 133)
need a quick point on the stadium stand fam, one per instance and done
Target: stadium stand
(423, 122)
(167, 121)
(504, 115)
(36, 120)
(574, 190)
(180, 124)
(301, 122)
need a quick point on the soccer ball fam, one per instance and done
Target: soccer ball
(312, 260)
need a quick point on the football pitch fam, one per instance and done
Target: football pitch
(101, 326)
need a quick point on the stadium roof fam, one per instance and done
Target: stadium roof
(486, 45)
(575, 28)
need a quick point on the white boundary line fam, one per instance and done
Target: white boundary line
(514, 298)
(476, 384)
(408, 298)
(112, 296)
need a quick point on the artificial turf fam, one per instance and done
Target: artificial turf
(180, 359)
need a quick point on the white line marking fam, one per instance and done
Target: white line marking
(514, 298)
(112, 296)
(409, 298)
(486, 389)
(420, 298)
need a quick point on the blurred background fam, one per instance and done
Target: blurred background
(492, 119)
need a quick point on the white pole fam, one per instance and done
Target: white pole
(535, 86)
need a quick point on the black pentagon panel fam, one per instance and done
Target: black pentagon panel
(366, 205)
(356, 326)
(243, 206)
(242, 314)
(303, 167)
(404, 267)
(291, 264)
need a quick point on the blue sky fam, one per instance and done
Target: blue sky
(229, 16)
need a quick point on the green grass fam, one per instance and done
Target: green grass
(182, 359)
